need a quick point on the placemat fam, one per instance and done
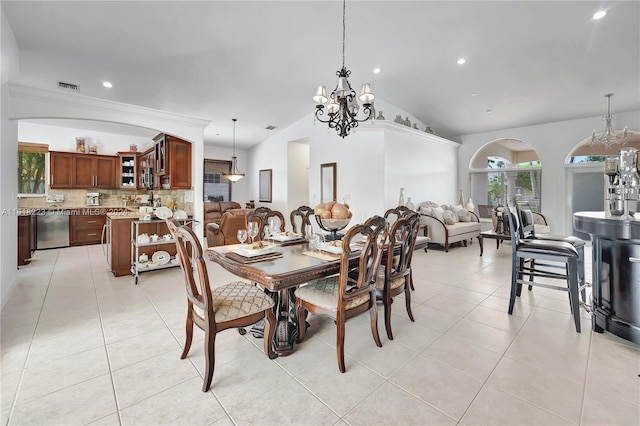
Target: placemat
(322, 255)
(289, 242)
(243, 259)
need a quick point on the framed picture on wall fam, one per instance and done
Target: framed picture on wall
(328, 182)
(264, 194)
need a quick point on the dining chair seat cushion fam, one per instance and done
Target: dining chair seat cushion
(235, 300)
(395, 283)
(547, 247)
(574, 241)
(324, 293)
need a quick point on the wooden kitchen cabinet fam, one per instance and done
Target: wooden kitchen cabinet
(94, 171)
(172, 162)
(61, 169)
(127, 170)
(26, 238)
(86, 229)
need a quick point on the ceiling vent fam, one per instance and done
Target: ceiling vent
(270, 127)
(68, 86)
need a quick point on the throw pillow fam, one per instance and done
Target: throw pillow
(464, 216)
(426, 210)
(456, 208)
(449, 217)
(438, 213)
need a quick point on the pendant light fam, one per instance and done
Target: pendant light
(234, 175)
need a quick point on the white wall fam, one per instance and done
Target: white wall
(9, 67)
(239, 190)
(553, 142)
(372, 164)
(298, 175)
(63, 138)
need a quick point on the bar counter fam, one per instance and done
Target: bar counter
(616, 272)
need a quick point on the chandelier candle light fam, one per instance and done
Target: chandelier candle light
(234, 175)
(609, 137)
(343, 106)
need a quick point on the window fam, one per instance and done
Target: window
(504, 171)
(32, 168)
(215, 187)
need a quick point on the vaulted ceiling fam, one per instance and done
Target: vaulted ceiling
(261, 61)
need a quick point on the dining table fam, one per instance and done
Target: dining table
(279, 276)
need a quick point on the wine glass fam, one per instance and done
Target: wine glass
(242, 235)
(253, 230)
(308, 232)
(274, 226)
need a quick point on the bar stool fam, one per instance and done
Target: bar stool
(525, 256)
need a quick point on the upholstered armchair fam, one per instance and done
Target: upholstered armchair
(225, 232)
(213, 211)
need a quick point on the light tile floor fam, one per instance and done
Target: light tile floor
(82, 347)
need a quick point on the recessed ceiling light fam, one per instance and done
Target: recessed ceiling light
(461, 61)
(474, 94)
(600, 14)
(376, 70)
(107, 84)
(488, 111)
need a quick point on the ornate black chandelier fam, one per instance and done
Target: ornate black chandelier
(343, 107)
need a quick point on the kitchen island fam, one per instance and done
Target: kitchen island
(615, 272)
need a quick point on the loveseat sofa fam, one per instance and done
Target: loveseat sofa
(448, 224)
(213, 211)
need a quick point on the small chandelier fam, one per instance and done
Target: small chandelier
(234, 175)
(343, 106)
(609, 137)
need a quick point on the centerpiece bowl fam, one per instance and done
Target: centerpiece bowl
(333, 226)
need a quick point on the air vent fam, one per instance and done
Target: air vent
(68, 86)
(270, 127)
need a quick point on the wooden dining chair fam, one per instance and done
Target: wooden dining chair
(341, 297)
(261, 216)
(233, 305)
(404, 212)
(303, 215)
(394, 277)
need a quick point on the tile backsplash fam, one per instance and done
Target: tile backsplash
(108, 197)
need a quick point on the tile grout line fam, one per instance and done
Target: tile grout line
(106, 350)
(26, 360)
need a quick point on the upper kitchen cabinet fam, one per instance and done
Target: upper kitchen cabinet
(127, 170)
(94, 171)
(172, 162)
(61, 170)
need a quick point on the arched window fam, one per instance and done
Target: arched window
(506, 170)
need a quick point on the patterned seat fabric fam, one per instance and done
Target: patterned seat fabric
(324, 293)
(236, 300)
(397, 282)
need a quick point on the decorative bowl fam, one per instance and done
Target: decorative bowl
(333, 224)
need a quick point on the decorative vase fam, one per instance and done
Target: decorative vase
(470, 206)
(410, 204)
(407, 122)
(380, 116)
(401, 198)
(398, 119)
(415, 126)
(461, 198)
(428, 130)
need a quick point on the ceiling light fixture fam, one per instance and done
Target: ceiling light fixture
(107, 84)
(599, 15)
(377, 70)
(461, 61)
(234, 175)
(609, 137)
(343, 107)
